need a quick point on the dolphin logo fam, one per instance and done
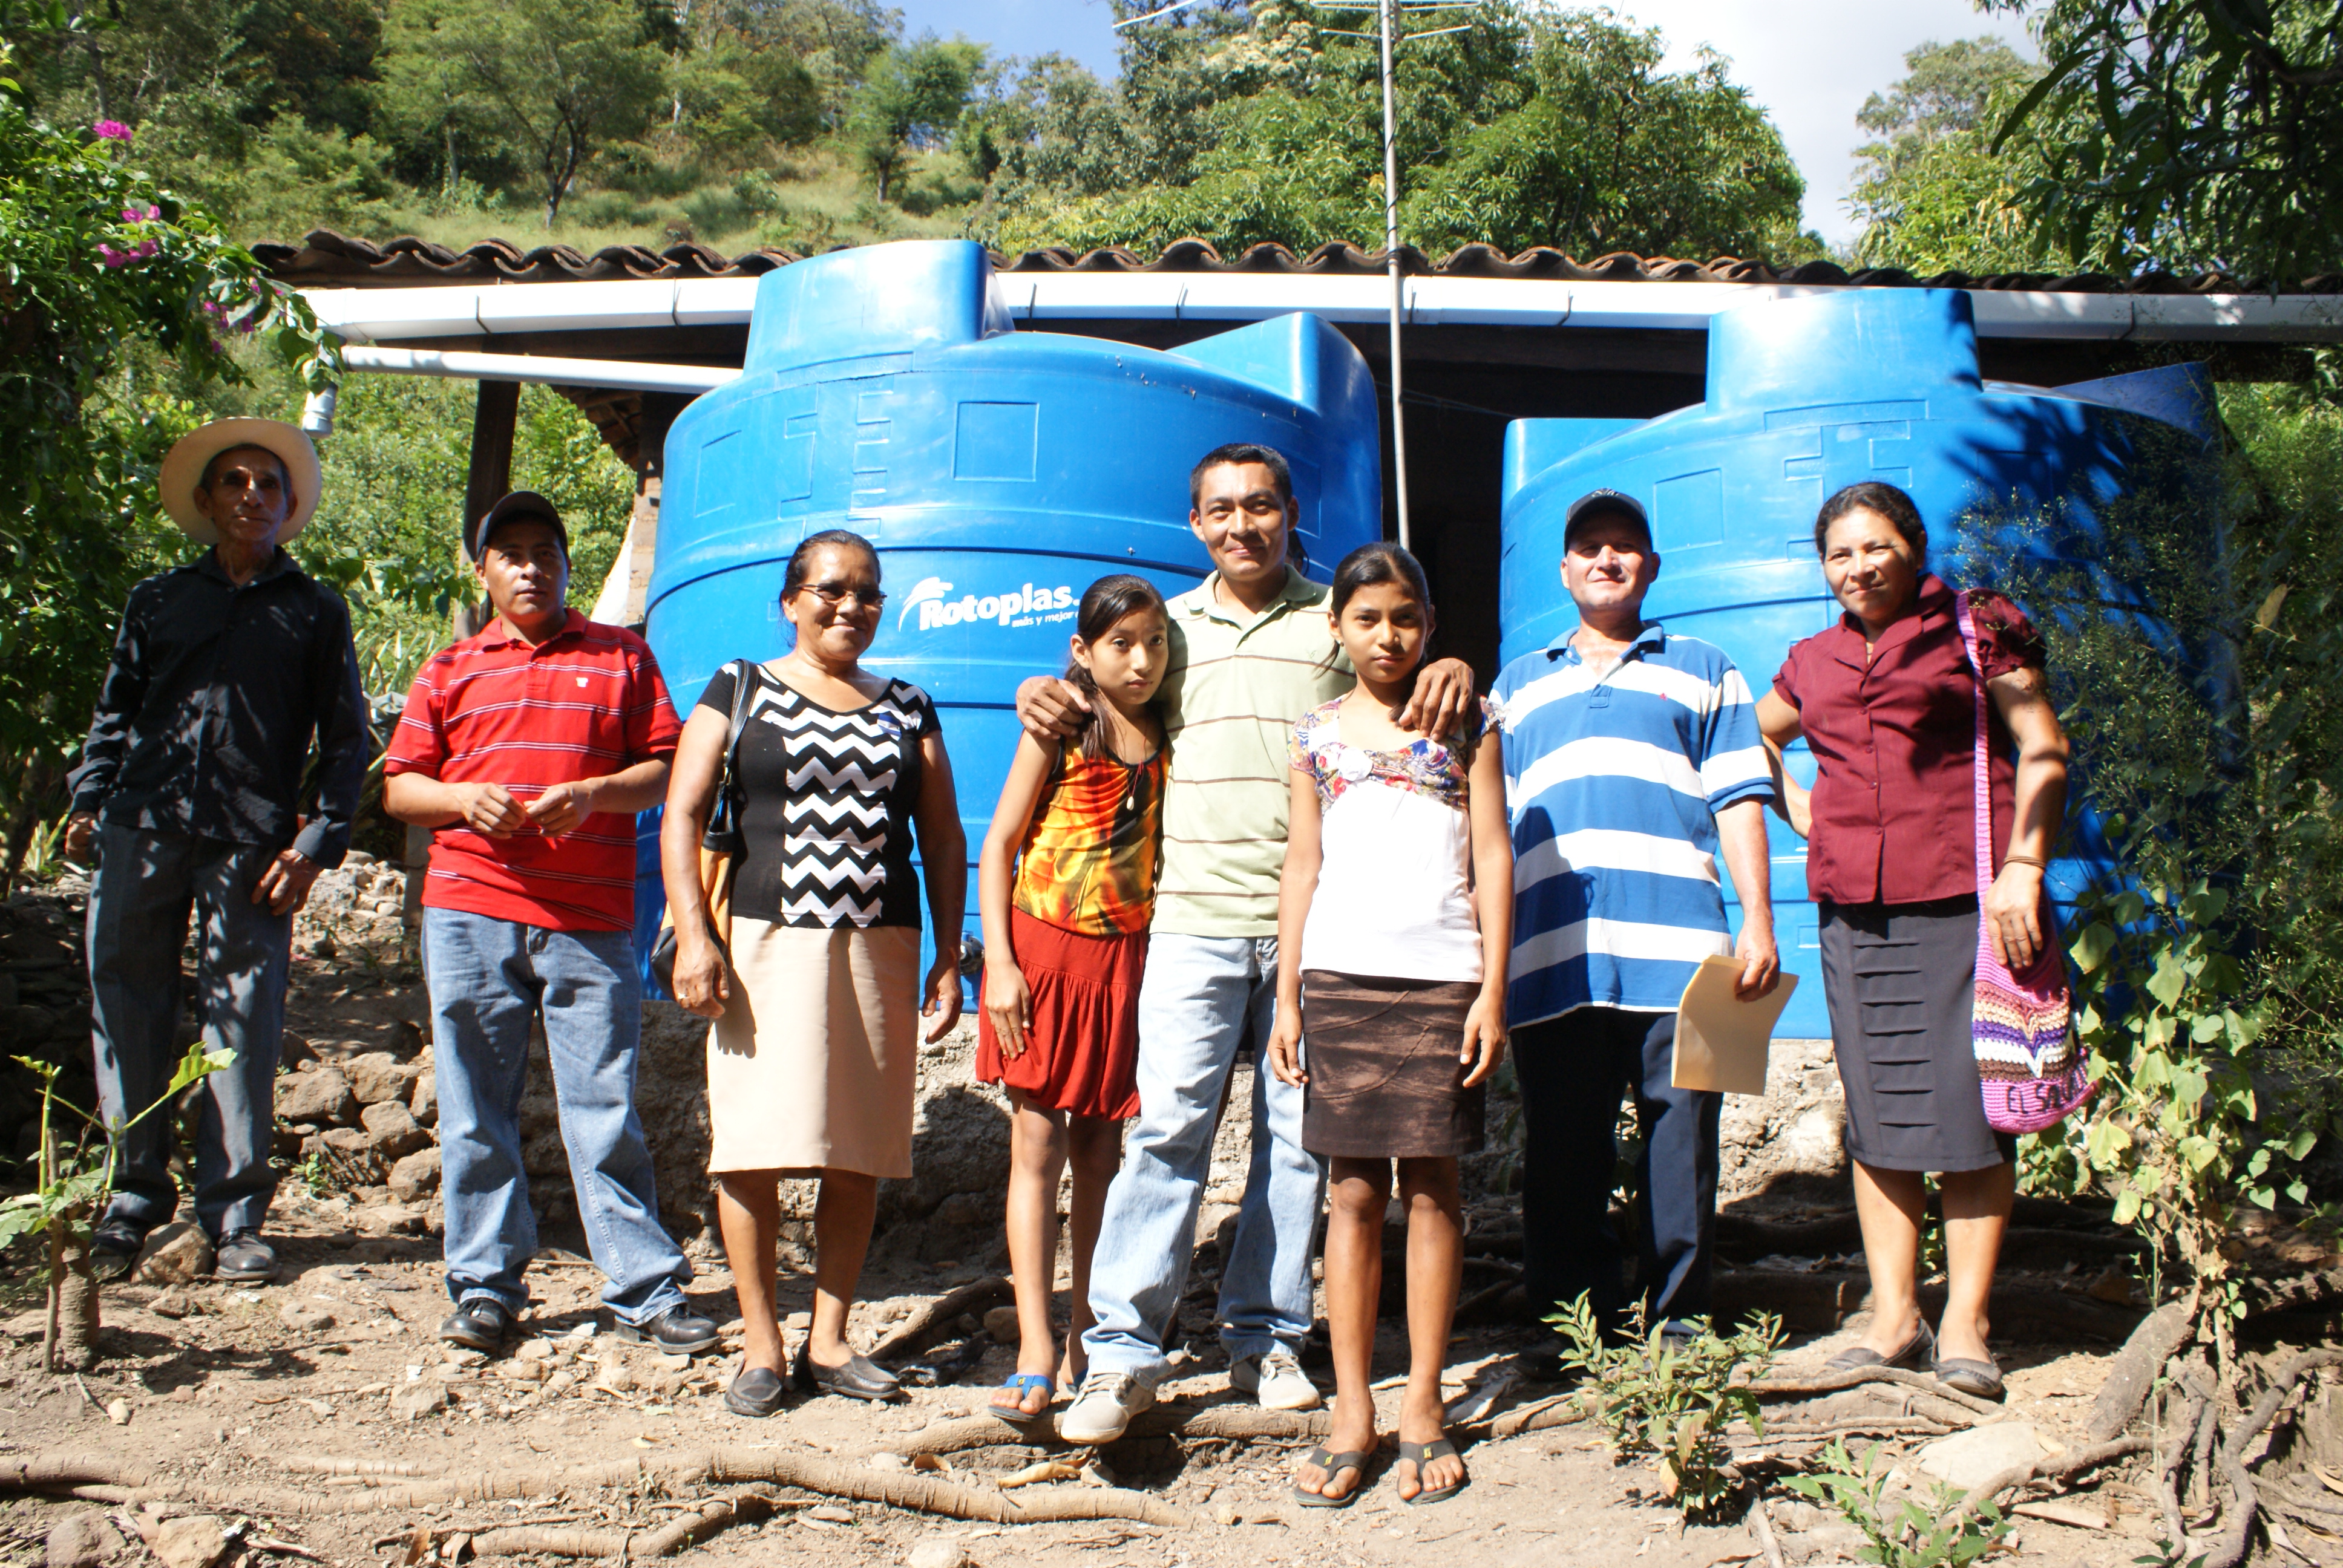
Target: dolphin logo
(930, 591)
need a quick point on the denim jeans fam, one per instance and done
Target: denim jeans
(1195, 1001)
(490, 980)
(145, 886)
(1572, 1069)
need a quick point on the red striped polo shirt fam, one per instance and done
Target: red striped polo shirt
(585, 703)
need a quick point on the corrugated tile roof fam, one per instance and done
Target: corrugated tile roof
(325, 258)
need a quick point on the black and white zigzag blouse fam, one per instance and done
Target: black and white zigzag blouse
(826, 802)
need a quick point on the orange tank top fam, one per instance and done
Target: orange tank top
(1090, 857)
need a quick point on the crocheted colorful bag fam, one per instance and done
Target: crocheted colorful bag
(2028, 1060)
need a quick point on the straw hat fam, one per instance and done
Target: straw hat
(183, 468)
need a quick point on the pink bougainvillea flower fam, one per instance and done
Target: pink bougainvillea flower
(132, 214)
(139, 252)
(110, 131)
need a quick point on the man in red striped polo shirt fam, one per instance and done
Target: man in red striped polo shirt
(529, 748)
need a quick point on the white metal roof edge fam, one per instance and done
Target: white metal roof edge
(385, 315)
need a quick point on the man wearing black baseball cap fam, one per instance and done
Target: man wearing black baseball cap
(529, 748)
(1633, 762)
(1596, 505)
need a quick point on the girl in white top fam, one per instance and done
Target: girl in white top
(1394, 921)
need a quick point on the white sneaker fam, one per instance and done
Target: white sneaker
(1276, 1380)
(1105, 1407)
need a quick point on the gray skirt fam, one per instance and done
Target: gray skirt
(1901, 979)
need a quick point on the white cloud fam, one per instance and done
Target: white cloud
(1810, 65)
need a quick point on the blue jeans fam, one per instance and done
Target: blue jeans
(490, 980)
(145, 886)
(1195, 1002)
(1572, 1069)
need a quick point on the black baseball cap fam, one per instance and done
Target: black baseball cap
(1605, 503)
(518, 503)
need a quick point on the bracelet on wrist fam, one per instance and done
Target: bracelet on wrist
(2034, 860)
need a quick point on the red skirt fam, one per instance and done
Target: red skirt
(1082, 1034)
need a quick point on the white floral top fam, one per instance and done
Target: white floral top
(1394, 899)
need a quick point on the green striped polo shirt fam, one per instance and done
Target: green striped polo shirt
(1237, 684)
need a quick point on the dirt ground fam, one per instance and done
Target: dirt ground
(219, 1385)
(248, 1391)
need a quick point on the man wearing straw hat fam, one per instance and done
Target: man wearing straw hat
(190, 785)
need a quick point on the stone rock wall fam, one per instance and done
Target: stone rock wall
(1795, 1135)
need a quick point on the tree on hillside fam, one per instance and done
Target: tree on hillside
(429, 97)
(1531, 128)
(562, 76)
(834, 40)
(731, 94)
(911, 99)
(2189, 133)
(1947, 91)
(1930, 193)
(1609, 153)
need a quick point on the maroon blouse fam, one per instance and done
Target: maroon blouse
(1894, 747)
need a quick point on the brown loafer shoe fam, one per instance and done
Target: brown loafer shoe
(1977, 1378)
(1918, 1353)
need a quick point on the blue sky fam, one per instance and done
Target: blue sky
(1811, 65)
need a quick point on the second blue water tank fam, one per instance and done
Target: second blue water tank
(1805, 396)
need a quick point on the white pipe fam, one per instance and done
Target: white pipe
(618, 373)
(385, 315)
(1390, 261)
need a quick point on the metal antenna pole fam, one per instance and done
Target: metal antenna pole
(1390, 249)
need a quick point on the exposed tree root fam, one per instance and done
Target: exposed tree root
(1762, 1527)
(2228, 1549)
(1237, 1423)
(2134, 1371)
(931, 1323)
(116, 1481)
(1226, 1423)
(2052, 1467)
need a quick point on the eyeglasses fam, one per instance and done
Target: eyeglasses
(838, 593)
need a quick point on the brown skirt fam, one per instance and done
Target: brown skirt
(1383, 1079)
(1081, 1025)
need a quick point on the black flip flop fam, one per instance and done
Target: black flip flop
(1334, 1465)
(1423, 1453)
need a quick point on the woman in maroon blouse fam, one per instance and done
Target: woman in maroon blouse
(1887, 703)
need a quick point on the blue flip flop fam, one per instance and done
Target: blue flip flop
(1025, 1382)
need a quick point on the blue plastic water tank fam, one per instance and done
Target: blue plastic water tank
(1803, 397)
(997, 472)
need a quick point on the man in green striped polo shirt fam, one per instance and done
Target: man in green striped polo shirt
(1250, 654)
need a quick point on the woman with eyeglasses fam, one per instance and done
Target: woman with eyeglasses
(810, 1057)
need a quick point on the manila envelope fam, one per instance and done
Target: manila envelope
(1721, 1042)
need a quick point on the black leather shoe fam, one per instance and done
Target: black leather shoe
(756, 1392)
(244, 1259)
(678, 1330)
(114, 1250)
(859, 1378)
(478, 1324)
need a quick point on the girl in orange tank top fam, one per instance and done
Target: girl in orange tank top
(1066, 885)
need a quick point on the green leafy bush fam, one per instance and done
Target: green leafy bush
(1938, 1535)
(1671, 1396)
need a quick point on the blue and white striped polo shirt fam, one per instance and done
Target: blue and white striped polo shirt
(1612, 782)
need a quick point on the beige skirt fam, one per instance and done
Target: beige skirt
(814, 1062)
